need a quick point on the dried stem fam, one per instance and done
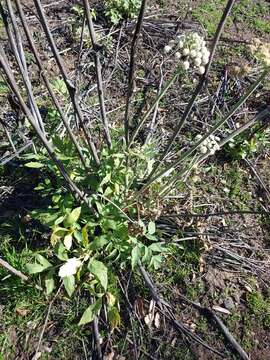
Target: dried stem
(96, 49)
(11, 269)
(131, 67)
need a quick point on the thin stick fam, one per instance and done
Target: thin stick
(96, 49)
(169, 315)
(218, 213)
(210, 313)
(152, 107)
(46, 322)
(97, 337)
(11, 269)
(223, 142)
(131, 67)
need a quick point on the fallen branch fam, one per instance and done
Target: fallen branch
(11, 269)
(167, 313)
(212, 315)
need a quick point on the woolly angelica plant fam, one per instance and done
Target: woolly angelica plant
(106, 194)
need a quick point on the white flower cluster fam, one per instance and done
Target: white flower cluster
(209, 144)
(190, 49)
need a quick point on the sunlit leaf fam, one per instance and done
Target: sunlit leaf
(69, 284)
(90, 312)
(72, 217)
(100, 271)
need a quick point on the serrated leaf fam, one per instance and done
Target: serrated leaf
(43, 261)
(114, 317)
(85, 240)
(151, 228)
(90, 312)
(72, 217)
(157, 247)
(69, 284)
(35, 268)
(49, 283)
(61, 252)
(156, 261)
(99, 242)
(100, 271)
(34, 165)
(135, 256)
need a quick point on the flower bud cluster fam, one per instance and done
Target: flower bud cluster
(210, 144)
(190, 50)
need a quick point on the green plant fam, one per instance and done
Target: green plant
(88, 248)
(117, 10)
(243, 146)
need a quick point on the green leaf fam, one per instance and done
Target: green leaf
(156, 262)
(109, 224)
(135, 256)
(114, 317)
(61, 252)
(78, 236)
(105, 180)
(100, 271)
(99, 242)
(59, 220)
(151, 237)
(44, 262)
(157, 247)
(85, 240)
(49, 283)
(69, 284)
(34, 165)
(147, 254)
(72, 217)
(35, 268)
(151, 228)
(90, 312)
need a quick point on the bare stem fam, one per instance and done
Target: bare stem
(96, 49)
(132, 66)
